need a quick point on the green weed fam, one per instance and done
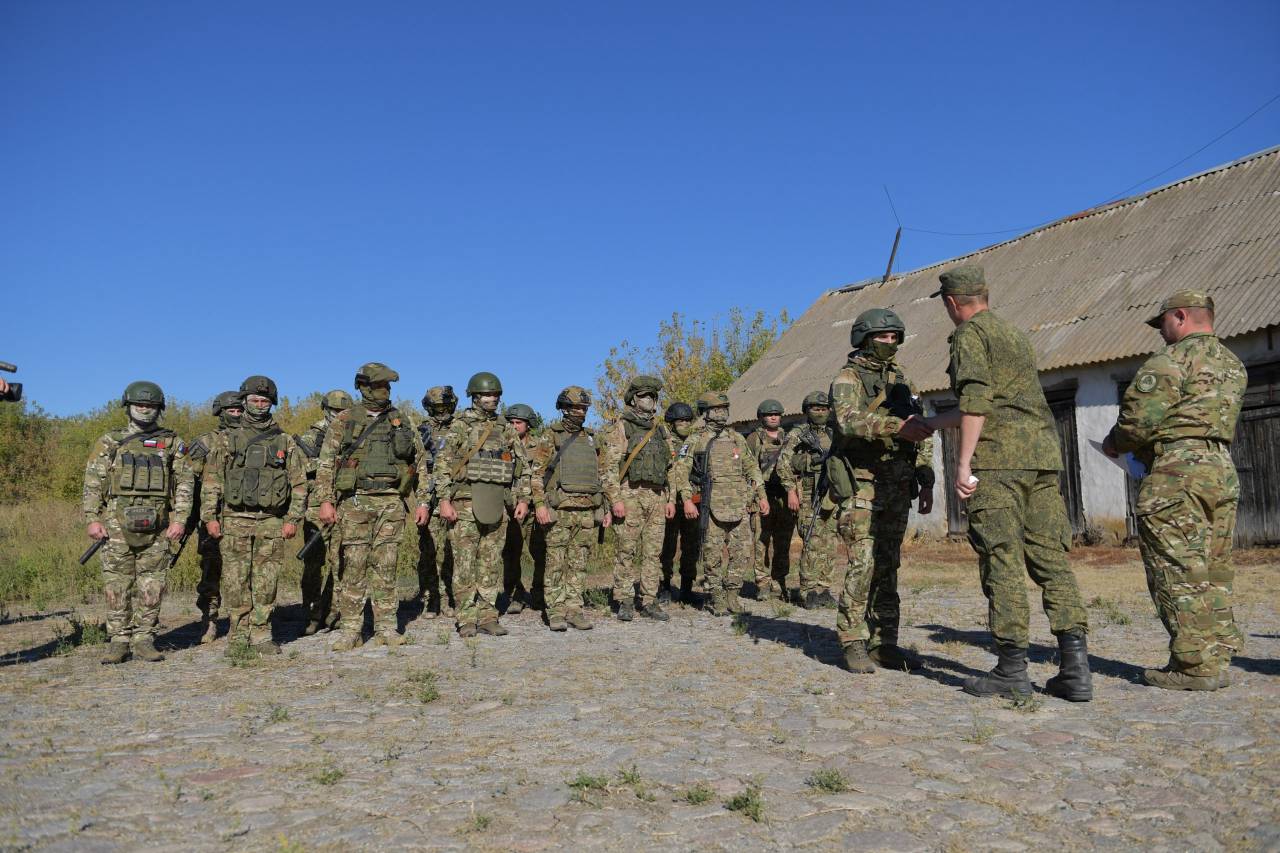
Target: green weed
(828, 780)
(750, 802)
(241, 654)
(1110, 610)
(328, 775)
(696, 795)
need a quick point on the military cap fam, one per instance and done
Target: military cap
(712, 400)
(521, 412)
(1182, 299)
(816, 398)
(964, 280)
(262, 386)
(769, 407)
(642, 384)
(375, 371)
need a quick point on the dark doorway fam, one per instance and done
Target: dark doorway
(1062, 403)
(1256, 452)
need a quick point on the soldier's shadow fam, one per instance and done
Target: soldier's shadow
(1036, 653)
(1258, 665)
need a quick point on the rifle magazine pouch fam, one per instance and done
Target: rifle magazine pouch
(488, 502)
(345, 479)
(840, 480)
(156, 474)
(126, 471)
(141, 523)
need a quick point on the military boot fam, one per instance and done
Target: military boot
(1073, 681)
(825, 599)
(655, 611)
(392, 637)
(734, 601)
(664, 593)
(686, 590)
(626, 611)
(893, 656)
(579, 620)
(1224, 678)
(719, 604)
(493, 628)
(810, 600)
(856, 659)
(557, 623)
(266, 646)
(144, 648)
(209, 631)
(334, 620)
(1173, 679)
(467, 631)
(1008, 677)
(346, 641)
(515, 605)
(313, 625)
(117, 652)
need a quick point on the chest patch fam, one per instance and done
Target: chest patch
(1146, 383)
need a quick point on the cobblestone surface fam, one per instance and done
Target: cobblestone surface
(658, 724)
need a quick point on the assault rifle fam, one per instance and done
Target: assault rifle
(193, 521)
(310, 544)
(819, 486)
(702, 473)
(93, 549)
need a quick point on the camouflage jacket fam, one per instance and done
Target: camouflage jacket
(868, 380)
(542, 450)
(431, 433)
(806, 444)
(213, 483)
(745, 485)
(310, 443)
(463, 435)
(993, 373)
(324, 488)
(1191, 389)
(768, 452)
(97, 498)
(614, 438)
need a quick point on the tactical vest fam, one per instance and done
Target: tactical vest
(493, 462)
(140, 468)
(807, 461)
(729, 486)
(767, 453)
(651, 463)
(382, 462)
(577, 472)
(894, 397)
(256, 477)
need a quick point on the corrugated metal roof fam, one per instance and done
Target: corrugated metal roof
(1081, 287)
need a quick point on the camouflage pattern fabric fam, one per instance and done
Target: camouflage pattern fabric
(889, 514)
(570, 538)
(477, 562)
(727, 552)
(435, 556)
(772, 559)
(209, 587)
(680, 537)
(637, 564)
(370, 527)
(1179, 415)
(853, 523)
(817, 559)
(134, 575)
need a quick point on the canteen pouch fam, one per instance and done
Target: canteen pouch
(345, 479)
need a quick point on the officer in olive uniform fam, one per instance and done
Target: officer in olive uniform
(681, 533)
(319, 566)
(367, 467)
(730, 487)
(480, 471)
(435, 557)
(138, 492)
(227, 408)
(773, 538)
(1179, 417)
(800, 469)
(572, 481)
(524, 535)
(254, 497)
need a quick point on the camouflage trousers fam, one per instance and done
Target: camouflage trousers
(772, 560)
(569, 540)
(435, 560)
(209, 589)
(1018, 526)
(133, 580)
(369, 528)
(477, 561)
(527, 537)
(733, 539)
(680, 536)
(637, 565)
(818, 559)
(320, 587)
(889, 514)
(1186, 518)
(253, 554)
(853, 524)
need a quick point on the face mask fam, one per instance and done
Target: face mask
(574, 420)
(717, 417)
(684, 429)
(645, 404)
(818, 419)
(375, 398)
(257, 414)
(143, 415)
(228, 420)
(441, 413)
(882, 351)
(486, 402)
(329, 415)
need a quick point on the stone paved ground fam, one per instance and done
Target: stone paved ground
(319, 751)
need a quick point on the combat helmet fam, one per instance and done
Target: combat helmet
(815, 398)
(375, 371)
(769, 407)
(440, 395)
(872, 322)
(574, 395)
(263, 386)
(484, 382)
(521, 412)
(678, 412)
(712, 400)
(142, 393)
(641, 384)
(226, 400)
(336, 400)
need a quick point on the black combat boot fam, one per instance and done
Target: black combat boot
(1073, 681)
(811, 600)
(626, 611)
(686, 590)
(655, 611)
(1008, 678)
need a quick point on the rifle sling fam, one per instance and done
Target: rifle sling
(484, 436)
(631, 457)
(555, 460)
(355, 445)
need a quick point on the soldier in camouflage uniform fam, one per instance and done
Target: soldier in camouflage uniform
(681, 533)
(572, 481)
(367, 468)
(773, 537)
(799, 469)
(435, 557)
(524, 535)
(320, 563)
(1178, 418)
(639, 449)
(725, 462)
(253, 497)
(138, 491)
(480, 471)
(227, 408)
(1017, 519)
(899, 470)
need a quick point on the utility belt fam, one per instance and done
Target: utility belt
(377, 484)
(641, 484)
(1162, 447)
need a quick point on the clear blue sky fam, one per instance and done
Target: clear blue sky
(196, 192)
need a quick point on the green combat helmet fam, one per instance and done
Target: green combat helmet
(142, 393)
(484, 382)
(226, 400)
(816, 398)
(375, 371)
(874, 321)
(336, 400)
(678, 412)
(521, 412)
(712, 400)
(769, 407)
(263, 386)
(574, 395)
(440, 395)
(640, 385)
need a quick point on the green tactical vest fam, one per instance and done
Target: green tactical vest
(807, 460)
(895, 398)
(256, 477)
(650, 465)
(140, 468)
(382, 461)
(578, 471)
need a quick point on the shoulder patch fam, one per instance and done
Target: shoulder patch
(1145, 383)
